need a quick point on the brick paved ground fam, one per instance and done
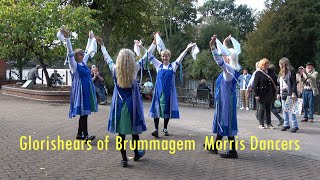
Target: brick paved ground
(25, 117)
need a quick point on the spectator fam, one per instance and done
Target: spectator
(288, 87)
(203, 85)
(308, 79)
(264, 88)
(275, 111)
(299, 82)
(33, 74)
(97, 79)
(243, 82)
(250, 84)
(56, 78)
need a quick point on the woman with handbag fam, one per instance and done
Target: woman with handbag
(288, 87)
(264, 88)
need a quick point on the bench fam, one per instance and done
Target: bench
(184, 95)
(204, 97)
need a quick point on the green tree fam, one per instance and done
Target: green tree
(287, 28)
(202, 68)
(28, 30)
(239, 16)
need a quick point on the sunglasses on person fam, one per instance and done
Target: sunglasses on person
(81, 53)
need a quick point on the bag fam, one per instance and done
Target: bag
(277, 103)
(284, 94)
(293, 106)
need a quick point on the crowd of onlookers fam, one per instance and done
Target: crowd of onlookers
(264, 84)
(267, 86)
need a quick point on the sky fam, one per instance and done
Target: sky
(254, 4)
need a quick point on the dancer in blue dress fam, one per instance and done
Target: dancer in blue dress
(83, 98)
(126, 113)
(225, 115)
(165, 100)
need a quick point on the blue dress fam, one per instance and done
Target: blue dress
(225, 115)
(126, 113)
(83, 98)
(165, 100)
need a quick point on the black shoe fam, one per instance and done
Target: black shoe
(166, 132)
(124, 163)
(230, 154)
(213, 151)
(294, 130)
(155, 133)
(140, 155)
(91, 138)
(80, 137)
(284, 128)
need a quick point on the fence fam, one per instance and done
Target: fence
(13, 74)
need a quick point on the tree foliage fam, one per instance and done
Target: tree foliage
(240, 17)
(28, 29)
(287, 28)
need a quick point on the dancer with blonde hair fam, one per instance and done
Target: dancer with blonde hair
(126, 113)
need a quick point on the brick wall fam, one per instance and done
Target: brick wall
(2, 69)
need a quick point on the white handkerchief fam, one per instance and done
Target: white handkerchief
(194, 51)
(136, 49)
(222, 49)
(60, 36)
(93, 47)
(236, 45)
(160, 44)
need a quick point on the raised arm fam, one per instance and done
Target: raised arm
(72, 61)
(181, 57)
(225, 41)
(228, 71)
(91, 35)
(150, 51)
(106, 55)
(312, 76)
(91, 47)
(107, 58)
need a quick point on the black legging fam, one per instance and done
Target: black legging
(156, 123)
(83, 126)
(135, 138)
(219, 137)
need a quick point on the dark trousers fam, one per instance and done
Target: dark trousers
(264, 107)
(135, 138)
(308, 103)
(83, 126)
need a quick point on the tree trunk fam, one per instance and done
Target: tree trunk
(19, 66)
(106, 32)
(166, 29)
(170, 25)
(44, 67)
